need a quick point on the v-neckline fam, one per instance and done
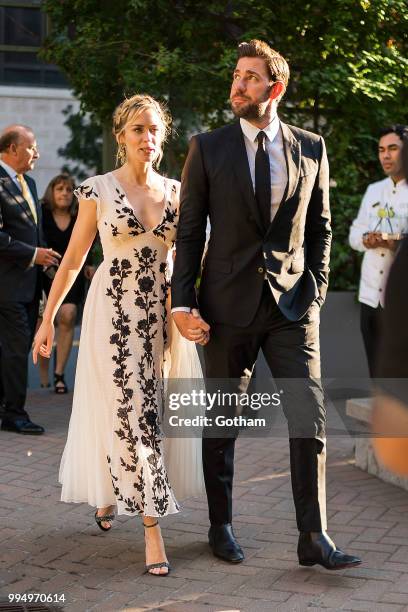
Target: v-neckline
(164, 202)
(58, 227)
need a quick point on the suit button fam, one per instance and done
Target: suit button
(380, 290)
(381, 272)
(261, 270)
(382, 255)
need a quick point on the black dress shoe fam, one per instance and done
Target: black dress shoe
(317, 547)
(22, 426)
(224, 544)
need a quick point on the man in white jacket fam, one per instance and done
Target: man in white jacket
(377, 230)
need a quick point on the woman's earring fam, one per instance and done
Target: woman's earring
(122, 153)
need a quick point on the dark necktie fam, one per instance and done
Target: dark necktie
(263, 180)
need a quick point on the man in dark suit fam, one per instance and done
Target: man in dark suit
(265, 187)
(21, 258)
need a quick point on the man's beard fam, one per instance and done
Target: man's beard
(249, 111)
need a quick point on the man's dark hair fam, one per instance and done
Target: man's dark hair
(398, 128)
(9, 138)
(277, 65)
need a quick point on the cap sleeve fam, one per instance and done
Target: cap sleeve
(88, 190)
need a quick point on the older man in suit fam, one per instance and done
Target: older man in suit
(264, 186)
(21, 261)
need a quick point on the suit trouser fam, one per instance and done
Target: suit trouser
(370, 325)
(292, 351)
(17, 327)
(1, 385)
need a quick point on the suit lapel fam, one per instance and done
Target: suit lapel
(291, 147)
(241, 168)
(10, 186)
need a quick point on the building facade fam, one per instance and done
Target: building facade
(32, 92)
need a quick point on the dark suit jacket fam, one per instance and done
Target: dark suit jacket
(294, 250)
(19, 236)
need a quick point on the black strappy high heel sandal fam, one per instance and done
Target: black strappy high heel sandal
(154, 565)
(107, 518)
(61, 388)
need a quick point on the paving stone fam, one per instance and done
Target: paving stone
(368, 606)
(56, 548)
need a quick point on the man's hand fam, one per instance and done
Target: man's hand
(372, 240)
(192, 326)
(389, 244)
(47, 257)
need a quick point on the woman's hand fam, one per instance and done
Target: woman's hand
(43, 341)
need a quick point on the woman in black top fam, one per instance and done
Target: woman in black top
(59, 216)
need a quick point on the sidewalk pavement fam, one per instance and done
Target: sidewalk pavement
(52, 548)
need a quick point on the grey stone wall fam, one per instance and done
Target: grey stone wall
(40, 108)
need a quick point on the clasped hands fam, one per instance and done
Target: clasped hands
(374, 240)
(192, 326)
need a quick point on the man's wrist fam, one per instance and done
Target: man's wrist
(181, 309)
(32, 262)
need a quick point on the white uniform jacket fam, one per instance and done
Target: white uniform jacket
(384, 208)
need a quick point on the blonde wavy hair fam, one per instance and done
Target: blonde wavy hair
(129, 109)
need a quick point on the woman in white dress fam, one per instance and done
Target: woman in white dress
(114, 452)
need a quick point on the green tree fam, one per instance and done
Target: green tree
(84, 148)
(348, 62)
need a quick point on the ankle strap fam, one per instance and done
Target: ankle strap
(153, 525)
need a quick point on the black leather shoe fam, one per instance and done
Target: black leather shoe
(224, 544)
(22, 426)
(317, 547)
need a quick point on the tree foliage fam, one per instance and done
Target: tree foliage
(84, 148)
(348, 62)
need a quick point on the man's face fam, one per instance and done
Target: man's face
(389, 153)
(25, 153)
(251, 88)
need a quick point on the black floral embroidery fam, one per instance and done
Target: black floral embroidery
(119, 271)
(168, 222)
(115, 231)
(86, 191)
(146, 300)
(148, 379)
(126, 211)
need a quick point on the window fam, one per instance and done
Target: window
(23, 28)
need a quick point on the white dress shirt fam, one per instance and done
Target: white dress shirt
(277, 164)
(13, 175)
(276, 154)
(384, 208)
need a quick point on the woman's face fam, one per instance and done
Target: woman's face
(143, 136)
(63, 194)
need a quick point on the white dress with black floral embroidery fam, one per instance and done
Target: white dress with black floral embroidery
(114, 451)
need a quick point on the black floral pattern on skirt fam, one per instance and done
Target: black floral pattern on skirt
(148, 379)
(119, 271)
